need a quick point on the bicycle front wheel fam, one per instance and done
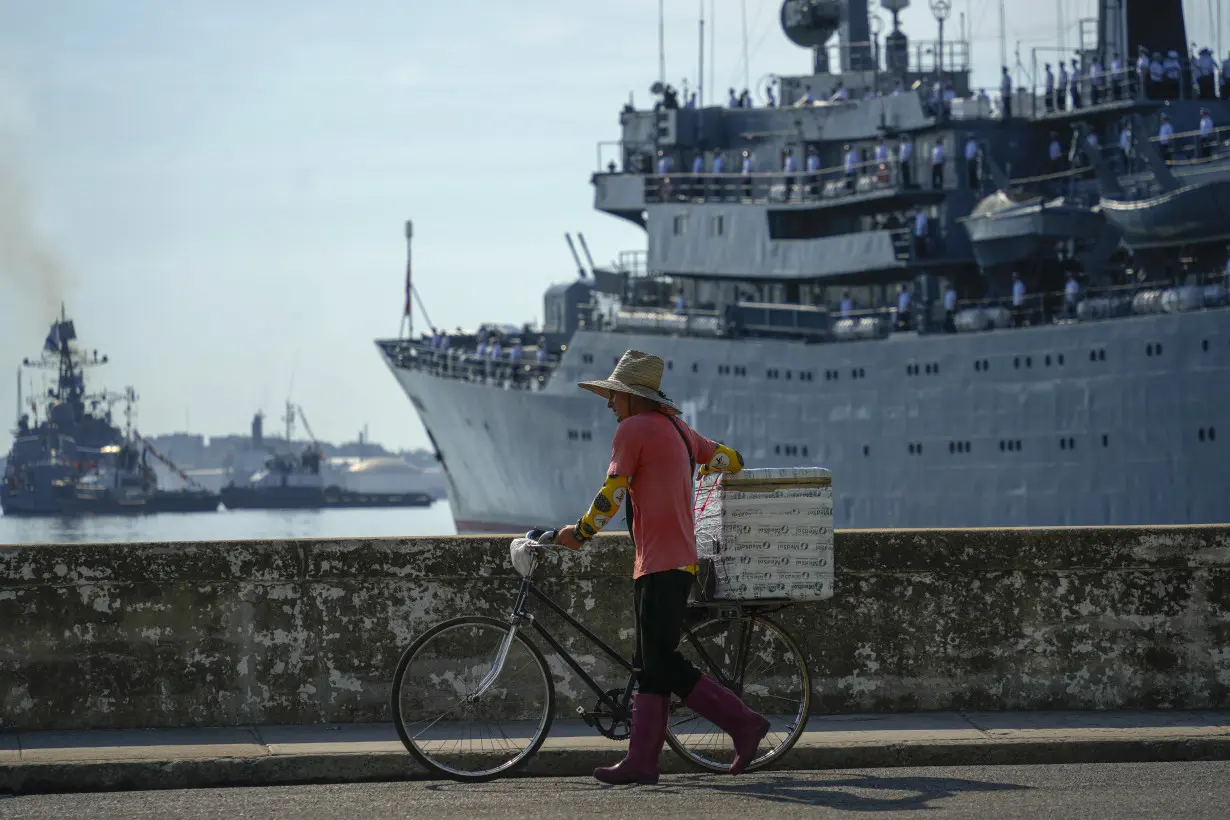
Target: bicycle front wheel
(758, 661)
(449, 722)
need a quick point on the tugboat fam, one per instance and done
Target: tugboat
(75, 461)
(296, 482)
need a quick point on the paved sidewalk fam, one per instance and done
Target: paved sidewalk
(32, 762)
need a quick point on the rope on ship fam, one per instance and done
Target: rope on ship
(170, 464)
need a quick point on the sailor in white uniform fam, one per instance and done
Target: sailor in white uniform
(971, 162)
(1074, 80)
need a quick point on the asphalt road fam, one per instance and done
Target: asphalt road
(1085, 791)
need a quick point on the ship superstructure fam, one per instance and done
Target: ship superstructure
(959, 330)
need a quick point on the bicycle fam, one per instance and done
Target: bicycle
(466, 668)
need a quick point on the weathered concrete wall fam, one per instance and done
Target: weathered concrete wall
(131, 635)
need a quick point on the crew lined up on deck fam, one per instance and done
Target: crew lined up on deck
(884, 165)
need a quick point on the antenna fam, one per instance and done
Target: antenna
(577, 259)
(585, 248)
(713, 42)
(1003, 40)
(700, 73)
(746, 71)
(712, 46)
(661, 44)
(409, 313)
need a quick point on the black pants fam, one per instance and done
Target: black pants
(661, 601)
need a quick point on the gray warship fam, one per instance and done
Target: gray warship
(75, 460)
(1047, 366)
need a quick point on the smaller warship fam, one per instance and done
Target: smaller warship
(70, 459)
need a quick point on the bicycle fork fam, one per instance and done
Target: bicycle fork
(515, 618)
(501, 656)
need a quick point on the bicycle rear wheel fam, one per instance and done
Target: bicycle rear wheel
(758, 661)
(452, 728)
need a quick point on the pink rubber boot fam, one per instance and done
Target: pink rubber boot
(640, 765)
(722, 707)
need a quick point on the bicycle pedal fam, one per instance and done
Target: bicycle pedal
(586, 716)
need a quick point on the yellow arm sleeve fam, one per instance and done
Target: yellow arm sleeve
(606, 503)
(725, 460)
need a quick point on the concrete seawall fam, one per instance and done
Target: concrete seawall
(282, 632)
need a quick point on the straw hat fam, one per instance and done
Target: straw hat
(639, 374)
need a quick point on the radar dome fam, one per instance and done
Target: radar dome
(810, 23)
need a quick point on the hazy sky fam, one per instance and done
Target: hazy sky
(217, 189)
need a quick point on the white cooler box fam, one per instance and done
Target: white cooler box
(768, 532)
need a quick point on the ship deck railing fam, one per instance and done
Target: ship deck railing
(1094, 303)
(1123, 89)
(464, 364)
(1194, 154)
(828, 323)
(864, 178)
(1193, 148)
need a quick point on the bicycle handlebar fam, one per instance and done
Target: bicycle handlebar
(545, 538)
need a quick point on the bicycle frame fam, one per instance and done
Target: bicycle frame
(519, 616)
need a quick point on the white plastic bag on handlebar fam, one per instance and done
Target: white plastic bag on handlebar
(524, 554)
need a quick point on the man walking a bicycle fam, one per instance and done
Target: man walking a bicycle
(653, 460)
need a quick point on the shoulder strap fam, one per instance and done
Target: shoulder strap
(691, 458)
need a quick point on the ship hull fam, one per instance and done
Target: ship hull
(1066, 425)
(31, 505)
(273, 498)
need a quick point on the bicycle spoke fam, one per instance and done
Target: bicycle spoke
(763, 666)
(442, 720)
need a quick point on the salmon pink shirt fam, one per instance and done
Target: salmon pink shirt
(650, 452)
